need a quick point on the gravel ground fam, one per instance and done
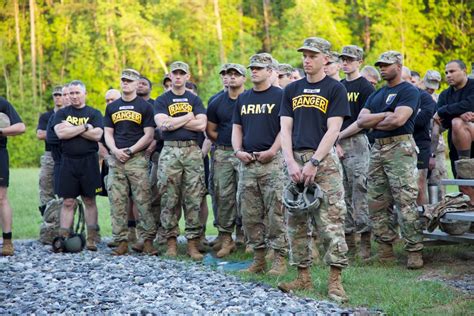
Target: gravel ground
(38, 281)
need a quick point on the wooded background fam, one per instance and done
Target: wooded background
(44, 43)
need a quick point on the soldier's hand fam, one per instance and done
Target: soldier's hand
(437, 119)
(294, 171)
(245, 157)
(467, 117)
(121, 155)
(432, 163)
(264, 156)
(339, 151)
(309, 173)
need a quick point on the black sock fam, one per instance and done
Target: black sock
(464, 154)
(132, 224)
(7, 235)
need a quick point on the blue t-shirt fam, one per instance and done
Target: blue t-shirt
(310, 105)
(9, 110)
(387, 99)
(175, 106)
(257, 113)
(220, 112)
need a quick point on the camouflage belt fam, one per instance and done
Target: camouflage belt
(180, 143)
(222, 147)
(393, 139)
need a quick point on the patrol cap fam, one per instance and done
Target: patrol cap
(262, 60)
(285, 69)
(333, 57)
(390, 57)
(223, 69)
(166, 78)
(275, 63)
(130, 74)
(352, 51)
(432, 79)
(316, 44)
(57, 90)
(237, 67)
(179, 65)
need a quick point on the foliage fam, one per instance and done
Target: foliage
(93, 40)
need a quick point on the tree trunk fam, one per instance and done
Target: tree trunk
(366, 27)
(241, 33)
(267, 43)
(219, 31)
(7, 83)
(20, 53)
(33, 49)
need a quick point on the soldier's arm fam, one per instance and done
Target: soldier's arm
(103, 152)
(93, 133)
(396, 119)
(13, 130)
(198, 124)
(294, 171)
(40, 134)
(144, 141)
(329, 138)
(211, 131)
(369, 120)
(168, 123)
(66, 130)
(237, 137)
(350, 130)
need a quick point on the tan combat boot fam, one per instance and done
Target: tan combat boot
(132, 235)
(216, 244)
(259, 264)
(384, 255)
(112, 244)
(138, 245)
(172, 250)
(351, 244)
(239, 236)
(98, 236)
(228, 246)
(270, 256)
(302, 282)
(7, 249)
(278, 265)
(193, 249)
(415, 260)
(148, 248)
(91, 238)
(122, 249)
(335, 290)
(365, 245)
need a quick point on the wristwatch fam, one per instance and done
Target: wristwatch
(86, 126)
(315, 162)
(128, 151)
(236, 151)
(433, 155)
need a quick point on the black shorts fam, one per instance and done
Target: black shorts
(79, 176)
(4, 168)
(423, 157)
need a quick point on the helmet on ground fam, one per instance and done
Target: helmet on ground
(298, 197)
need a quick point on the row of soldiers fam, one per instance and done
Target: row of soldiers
(312, 131)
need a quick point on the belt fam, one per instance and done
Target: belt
(180, 143)
(304, 156)
(393, 139)
(223, 147)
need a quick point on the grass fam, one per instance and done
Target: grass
(394, 290)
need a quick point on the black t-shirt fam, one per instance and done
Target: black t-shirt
(51, 137)
(387, 99)
(9, 110)
(178, 105)
(220, 112)
(214, 96)
(358, 91)
(257, 113)
(79, 146)
(43, 125)
(128, 119)
(310, 105)
(421, 133)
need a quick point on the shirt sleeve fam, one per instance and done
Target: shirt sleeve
(236, 119)
(410, 97)
(339, 105)
(10, 111)
(285, 106)
(427, 107)
(455, 109)
(160, 106)
(59, 117)
(97, 120)
(148, 117)
(367, 90)
(107, 118)
(198, 107)
(212, 112)
(43, 122)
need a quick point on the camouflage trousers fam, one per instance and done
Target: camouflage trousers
(225, 167)
(211, 184)
(355, 166)
(393, 180)
(328, 219)
(439, 172)
(155, 196)
(46, 178)
(124, 178)
(260, 194)
(181, 177)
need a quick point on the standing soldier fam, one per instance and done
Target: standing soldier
(333, 66)
(312, 113)
(129, 128)
(371, 74)
(144, 89)
(10, 125)
(46, 176)
(391, 112)
(79, 127)
(225, 165)
(285, 75)
(353, 150)
(181, 116)
(256, 143)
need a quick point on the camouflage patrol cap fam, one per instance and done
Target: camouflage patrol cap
(4, 120)
(352, 51)
(316, 44)
(130, 74)
(237, 67)
(262, 60)
(285, 69)
(390, 57)
(432, 79)
(166, 78)
(179, 65)
(333, 57)
(57, 90)
(223, 68)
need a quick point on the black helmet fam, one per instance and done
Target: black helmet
(298, 197)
